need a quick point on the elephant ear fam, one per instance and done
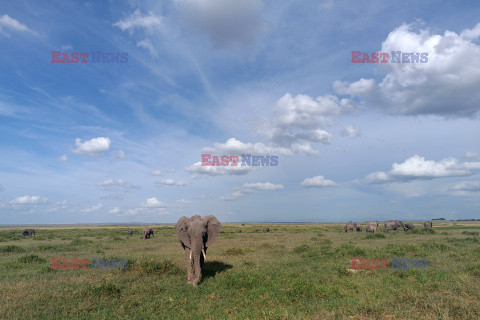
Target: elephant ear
(181, 229)
(213, 229)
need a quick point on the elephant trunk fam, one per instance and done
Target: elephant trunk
(198, 255)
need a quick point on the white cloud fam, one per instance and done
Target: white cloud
(197, 168)
(301, 120)
(416, 167)
(12, 24)
(115, 210)
(226, 22)
(94, 146)
(160, 172)
(148, 22)
(234, 146)
(350, 132)
(153, 203)
(472, 155)
(148, 44)
(249, 188)
(67, 47)
(446, 85)
(318, 181)
(63, 158)
(171, 182)
(93, 208)
(26, 200)
(117, 183)
(183, 201)
(119, 154)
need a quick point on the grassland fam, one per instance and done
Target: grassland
(296, 271)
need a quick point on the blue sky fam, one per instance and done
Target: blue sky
(122, 142)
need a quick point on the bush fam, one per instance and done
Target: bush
(11, 248)
(31, 258)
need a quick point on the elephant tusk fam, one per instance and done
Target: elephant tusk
(204, 255)
(190, 255)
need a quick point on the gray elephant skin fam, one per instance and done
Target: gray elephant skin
(372, 227)
(351, 226)
(147, 232)
(394, 225)
(409, 226)
(28, 232)
(196, 234)
(428, 224)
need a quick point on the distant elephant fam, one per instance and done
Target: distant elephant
(255, 230)
(196, 234)
(409, 226)
(428, 224)
(372, 227)
(359, 229)
(238, 231)
(28, 232)
(147, 232)
(394, 225)
(266, 230)
(351, 226)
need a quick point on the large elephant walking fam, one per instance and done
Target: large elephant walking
(147, 232)
(394, 225)
(196, 234)
(351, 226)
(372, 227)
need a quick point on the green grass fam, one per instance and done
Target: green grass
(296, 271)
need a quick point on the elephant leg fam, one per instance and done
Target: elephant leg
(190, 268)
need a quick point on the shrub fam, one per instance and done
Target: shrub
(31, 258)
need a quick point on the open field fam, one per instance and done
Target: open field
(296, 271)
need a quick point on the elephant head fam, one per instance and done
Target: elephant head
(196, 234)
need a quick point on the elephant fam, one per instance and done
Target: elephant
(409, 226)
(147, 232)
(130, 232)
(238, 231)
(359, 229)
(255, 230)
(351, 226)
(266, 230)
(394, 225)
(28, 232)
(428, 224)
(372, 227)
(196, 234)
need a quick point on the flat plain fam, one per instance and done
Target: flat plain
(295, 271)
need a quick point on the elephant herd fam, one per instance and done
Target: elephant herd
(389, 225)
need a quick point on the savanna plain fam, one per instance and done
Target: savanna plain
(295, 271)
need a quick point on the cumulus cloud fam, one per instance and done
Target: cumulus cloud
(117, 183)
(416, 167)
(115, 210)
(153, 203)
(446, 85)
(119, 154)
(93, 208)
(149, 22)
(472, 155)
(301, 120)
(171, 182)
(14, 25)
(318, 182)
(234, 146)
(350, 132)
(197, 168)
(63, 158)
(226, 22)
(160, 172)
(249, 188)
(95, 146)
(26, 200)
